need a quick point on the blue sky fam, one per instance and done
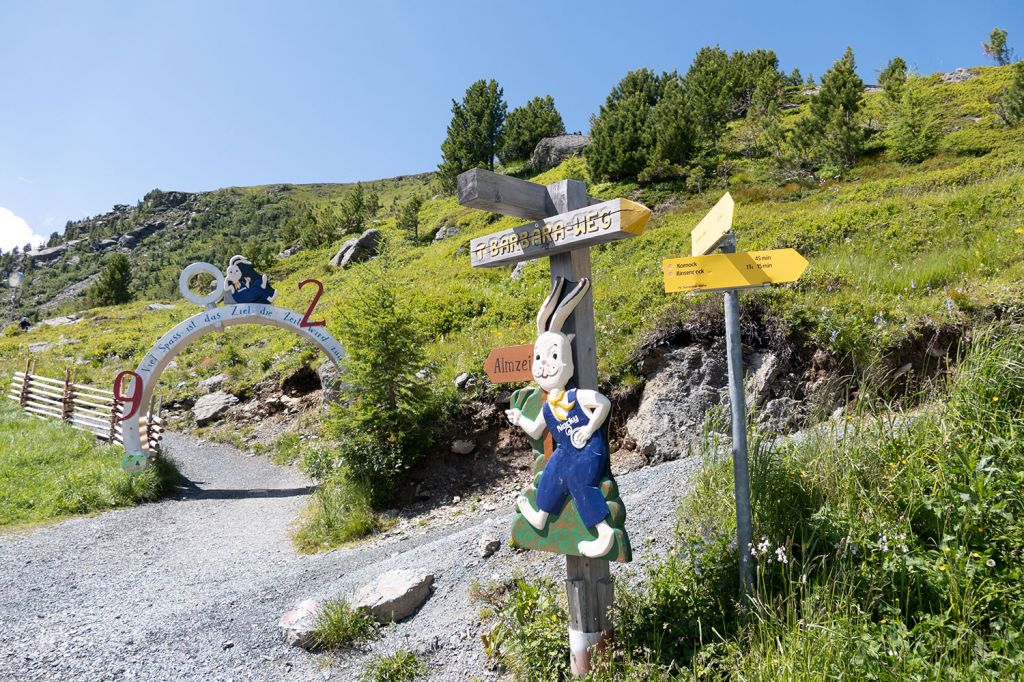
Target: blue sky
(102, 101)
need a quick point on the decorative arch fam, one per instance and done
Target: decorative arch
(214, 318)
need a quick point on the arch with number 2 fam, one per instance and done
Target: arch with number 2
(247, 299)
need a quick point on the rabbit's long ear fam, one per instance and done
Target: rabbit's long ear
(568, 304)
(549, 305)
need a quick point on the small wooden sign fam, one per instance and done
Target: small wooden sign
(510, 364)
(725, 271)
(589, 226)
(710, 231)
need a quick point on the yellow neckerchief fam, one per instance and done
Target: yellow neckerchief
(559, 406)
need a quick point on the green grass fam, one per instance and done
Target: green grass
(340, 626)
(339, 512)
(49, 470)
(401, 666)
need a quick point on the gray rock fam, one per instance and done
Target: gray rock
(445, 231)
(517, 271)
(463, 447)
(132, 237)
(765, 369)
(394, 595)
(60, 321)
(213, 383)
(552, 151)
(682, 385)
(39, 347)
(361, 248)
(487, 545)
(211, 406)
(45, 255)
(462, 381)
(782, 415)
(958, 76)
(330, 382)
(298, 625)
(160, 306)
(106, 244)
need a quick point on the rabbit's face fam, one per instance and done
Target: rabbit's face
(552, 361)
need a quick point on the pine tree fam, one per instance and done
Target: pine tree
(893, 78)
(915, 132)
(711, 95)
(358, 207)
(113, 286)
(996, 48)
(622, 135)
(529, 124)
(830, 137)
(1013, 97)
(409, 216)
(671, 131)
(475, 133)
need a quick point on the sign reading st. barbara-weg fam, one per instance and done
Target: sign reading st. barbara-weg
(596, 224)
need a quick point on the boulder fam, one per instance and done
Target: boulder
(45, 255)
(213, 383)
(445, 231)
(517, 271)
(299, 624)
(552, 151)
(487, 545)
(765, 369)
(782, 415)
(132, 237)
(682, 385)
(394, 595)
(330, 382)
(958, 76)
(462, 381)
(463, 447)
(361, 248)
(40, 347)
(211, 406)
(160, 306)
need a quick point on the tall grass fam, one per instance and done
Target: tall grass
(339, 512)
(49, 470)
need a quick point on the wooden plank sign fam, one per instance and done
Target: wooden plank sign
(710, 231)
(585, 227)
(726, 271)
(510, 364)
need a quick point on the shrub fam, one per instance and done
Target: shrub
(530, 633)
(914, 135)
(339, 625)
(114, 285)
(401, 666)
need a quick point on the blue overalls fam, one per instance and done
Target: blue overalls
(572, 470)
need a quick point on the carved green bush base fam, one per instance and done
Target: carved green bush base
(565, 530)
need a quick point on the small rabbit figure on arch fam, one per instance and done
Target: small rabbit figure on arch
(574, 418)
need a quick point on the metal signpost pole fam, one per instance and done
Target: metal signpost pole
(738, 407)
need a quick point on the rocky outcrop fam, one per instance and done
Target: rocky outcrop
(132, 237)
(212, 383)
(211, 406)
(957, 76)
(552, 151)
(47, 255)
(445, 231)
(361, 248)
(394, 595)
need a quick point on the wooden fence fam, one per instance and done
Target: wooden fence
(84, 407)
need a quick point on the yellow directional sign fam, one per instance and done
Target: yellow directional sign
(724, 271)
(713, 227)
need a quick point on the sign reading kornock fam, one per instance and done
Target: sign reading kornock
(589, 226)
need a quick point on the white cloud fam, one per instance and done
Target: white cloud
(14, 231)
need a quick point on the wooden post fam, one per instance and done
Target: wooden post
(67, 408)
(588, 581)
(26, 383)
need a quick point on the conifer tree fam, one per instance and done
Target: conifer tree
(996, 48)
(529, 124)
(711, 95)
(915, 132)
(893, 78)
(114, 284)
(622, 135)
(830, 137)
(475, 133)
(409, 216)
(1013, 98)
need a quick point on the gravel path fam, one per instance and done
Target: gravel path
(191, 587)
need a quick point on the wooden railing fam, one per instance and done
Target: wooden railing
(84, 407)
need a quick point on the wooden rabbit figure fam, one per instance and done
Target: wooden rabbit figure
(574, 417)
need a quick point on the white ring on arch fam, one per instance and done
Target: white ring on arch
(182, 334)
(194, 269)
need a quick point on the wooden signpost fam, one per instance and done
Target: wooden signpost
(509, 364)
(729, 272)
(567, 223)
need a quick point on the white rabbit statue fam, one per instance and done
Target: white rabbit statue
(574, 417)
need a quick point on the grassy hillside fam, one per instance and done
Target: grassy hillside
(894, 250)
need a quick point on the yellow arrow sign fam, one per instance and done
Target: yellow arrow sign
(723, 271)
(713, 227)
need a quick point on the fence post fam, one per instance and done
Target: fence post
(26, 382)
(113, 419)
(67, 408)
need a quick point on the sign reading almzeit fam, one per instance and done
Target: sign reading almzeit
(597, 224)
(733, 270)
(510, 364)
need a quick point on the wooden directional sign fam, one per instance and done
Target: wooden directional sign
(713, 227)
(725, 271)
(596, 224)
(510, 364)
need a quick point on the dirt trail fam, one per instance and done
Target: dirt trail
(191, 587)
